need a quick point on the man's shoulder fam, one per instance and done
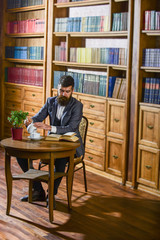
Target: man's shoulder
(75, 101)
(51, 99)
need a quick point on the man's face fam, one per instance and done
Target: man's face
(64, 94)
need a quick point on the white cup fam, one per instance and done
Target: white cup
(31, 128)
(35, 135)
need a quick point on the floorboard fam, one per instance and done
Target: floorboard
(108, 211)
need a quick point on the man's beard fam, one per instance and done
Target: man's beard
(63, 101)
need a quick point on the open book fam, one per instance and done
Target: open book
(70, 136)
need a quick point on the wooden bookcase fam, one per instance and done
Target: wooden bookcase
(18, 96)
(146, 157)
(107, 138)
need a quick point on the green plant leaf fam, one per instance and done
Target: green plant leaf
(17, 118)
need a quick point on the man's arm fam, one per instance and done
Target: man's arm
(39, 117)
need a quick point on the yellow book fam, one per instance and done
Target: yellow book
(70, 136)
(83, 53)
(88, 56)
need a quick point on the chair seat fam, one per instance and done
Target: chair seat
(34, 174)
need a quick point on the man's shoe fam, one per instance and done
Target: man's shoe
(54, 202)
(36, 196)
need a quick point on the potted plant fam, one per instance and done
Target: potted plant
(17, 120)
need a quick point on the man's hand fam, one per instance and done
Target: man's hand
(41, 125)
(27, 122)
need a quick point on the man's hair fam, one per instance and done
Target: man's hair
(66, 81)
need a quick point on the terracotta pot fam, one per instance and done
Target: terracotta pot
(16, 133)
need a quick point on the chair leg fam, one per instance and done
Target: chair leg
(84, 174)
(30, 191)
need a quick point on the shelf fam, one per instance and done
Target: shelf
(151, 69)
(149, 104)
(81, 3)
(121, 0)
(93, 34)
(25, 35)
(23, 85)
(26, 9)
(151, 32)
(89, 65)
(116, 99)
(24, 61)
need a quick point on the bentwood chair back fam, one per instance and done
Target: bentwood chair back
(79, 161)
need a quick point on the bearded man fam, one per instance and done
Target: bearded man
(65, 113)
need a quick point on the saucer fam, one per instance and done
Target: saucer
(38, 138)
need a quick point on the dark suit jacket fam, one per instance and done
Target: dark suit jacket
(70, 119)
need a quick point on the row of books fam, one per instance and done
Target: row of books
(26, 26)
(23, 3)
(152, 20)
(151, 57)
(151, 90)
(27, 76)
(84, 83)
(120, 21)
(117, 87)
(60, 52)
(117, 56)
(82, 24)
(35, 53)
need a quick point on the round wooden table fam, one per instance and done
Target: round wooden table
(40, 149)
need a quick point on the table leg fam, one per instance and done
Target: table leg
(8, 176)
(70, 179)
(51, 187)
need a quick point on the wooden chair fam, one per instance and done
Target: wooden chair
(78, 161)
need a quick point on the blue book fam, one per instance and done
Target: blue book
(111, 83)
(38, 53)
(42, 53)
(80, 82)
(156, 93)
(146, 90)
(75, 76)
(116, 56)
(102, 85)
(17, 3)
(57, 76)
(79, 24)
(32, 52)
(24, 3)
(16, 52)
(23, 52)
(69, 25)
(159, 93)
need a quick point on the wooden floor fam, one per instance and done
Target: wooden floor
(107, 211)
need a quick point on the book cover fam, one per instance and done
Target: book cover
(116, 87)
(111, 83)
(146, 89)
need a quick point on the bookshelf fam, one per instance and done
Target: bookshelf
(108, 117)
(24, 58)
(146, 148)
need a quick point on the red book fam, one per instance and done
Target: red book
(39, 25)
(10, 74)
(27, 26)
(32, 76)
(8, 27)
(15, 26)
(31, 25)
